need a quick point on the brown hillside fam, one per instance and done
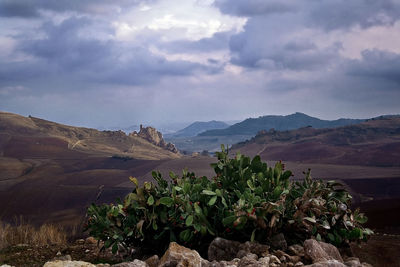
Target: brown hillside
(372, 143)
(52, 172)
(23, 137)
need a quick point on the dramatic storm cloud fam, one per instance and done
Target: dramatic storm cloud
(119, 63)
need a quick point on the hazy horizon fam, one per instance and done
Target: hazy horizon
(164, 62)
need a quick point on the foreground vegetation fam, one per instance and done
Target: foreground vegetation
(24, 233)
(245, 200)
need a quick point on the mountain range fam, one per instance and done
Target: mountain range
(374, 142)
(280, 123)
(198, 127)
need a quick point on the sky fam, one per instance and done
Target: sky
(125, 62)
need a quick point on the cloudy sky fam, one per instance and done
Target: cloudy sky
(123, 62)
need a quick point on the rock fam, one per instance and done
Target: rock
(274, 259)
(232, 263)
(222, 249)
(320, 251)
(256, 248)
(177, 255)
(91, 240)
(62, 257)
(298, 264)
(80, 241)
(278, 242)
(135, 263)
(5, 265)
(153, 261)
(59, 263)
(155, 137)
(296, 250)
(225, 250)
(280, 254)
(241, 253)
(248, 261)
(328, 263)
(294, 259)
(264, 261)
(352, 262)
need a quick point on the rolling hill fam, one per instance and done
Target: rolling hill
(199, 127)
(297, 120)
(375, 142)
(51, 172)
(34, 137)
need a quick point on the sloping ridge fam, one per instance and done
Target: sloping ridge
(281, 123)
(23, 134)
(375, 142)
(199, 127)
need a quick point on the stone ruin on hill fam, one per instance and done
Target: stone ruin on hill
(155, 137)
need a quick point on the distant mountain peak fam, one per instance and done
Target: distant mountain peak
(296, 120)
(198, 127)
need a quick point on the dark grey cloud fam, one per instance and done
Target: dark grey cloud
(68, 53)
(376, 64)
(249, 8)
(64, 48)
(97, 54)
(340, 14)
(32, 8)
(261, 45)
(11, 8)
(326, 14)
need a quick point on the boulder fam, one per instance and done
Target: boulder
(153, 261)
(221, 249)
(249, 261)
(355, 262)
(91, 240)
(296, 250)
(321, 252)
(59, 263)
(225, 250)
(274, 260)
(352, 262)
(255, 248)
(135, 263)
(327, 263)
(278, 241)
(177, 255)
(62, 257)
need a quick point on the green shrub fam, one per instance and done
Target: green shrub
(245, 200)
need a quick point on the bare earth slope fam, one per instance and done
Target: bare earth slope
(51, 171)
(22, 136)
(372, 143)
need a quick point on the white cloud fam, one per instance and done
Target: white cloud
(196, 19)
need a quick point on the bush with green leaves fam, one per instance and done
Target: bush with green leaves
(245, 200)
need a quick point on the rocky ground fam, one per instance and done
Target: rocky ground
(381, 250)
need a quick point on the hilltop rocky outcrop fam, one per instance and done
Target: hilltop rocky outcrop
(155, 137)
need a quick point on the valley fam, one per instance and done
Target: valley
(51, 172)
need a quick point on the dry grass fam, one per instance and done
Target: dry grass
(25, 233)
